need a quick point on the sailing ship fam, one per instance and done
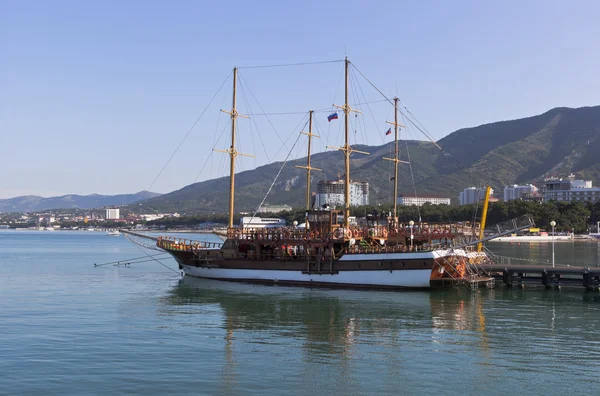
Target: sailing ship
(328, 251)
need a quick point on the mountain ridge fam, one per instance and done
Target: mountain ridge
(557, 142)
(31, 203)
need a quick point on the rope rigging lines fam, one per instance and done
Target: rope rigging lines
(186, 136)
(278, 173)
(359, 126)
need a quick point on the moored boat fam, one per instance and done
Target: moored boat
(328, 252)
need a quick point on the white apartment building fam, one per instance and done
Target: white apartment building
(472, 195)
(332, 193)
(518, 192)
(112, 214)
(420, 201)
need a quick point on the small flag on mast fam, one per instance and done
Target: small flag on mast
(389, 132)
(333, 116)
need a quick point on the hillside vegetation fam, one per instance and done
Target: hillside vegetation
(558, 142)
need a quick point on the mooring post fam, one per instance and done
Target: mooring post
(588, 280)
(546, 279)
(507, 277)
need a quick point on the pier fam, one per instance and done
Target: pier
(548, 276)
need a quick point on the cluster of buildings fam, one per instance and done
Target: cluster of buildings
(331, 193)
(552, 189)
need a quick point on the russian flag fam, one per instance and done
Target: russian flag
(389, 132)
(333, 116)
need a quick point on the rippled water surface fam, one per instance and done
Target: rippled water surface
(67, 327)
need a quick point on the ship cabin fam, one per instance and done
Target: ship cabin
(324, 222)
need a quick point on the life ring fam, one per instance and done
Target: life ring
(385, 232)
(355, 233)
(339, 233)
(348, 234)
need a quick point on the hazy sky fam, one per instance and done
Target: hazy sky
(95, 96)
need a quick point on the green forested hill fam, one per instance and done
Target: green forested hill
(558, 142)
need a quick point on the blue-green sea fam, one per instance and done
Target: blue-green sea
(69, 328)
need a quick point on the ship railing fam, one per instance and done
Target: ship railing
(291, 233)
(344, 233)
(430, 230)
(186, 245)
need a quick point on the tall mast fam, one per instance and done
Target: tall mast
(396, 157)
(346, 152)
(346, 148)
(396, 160)
(232, 151)
(308, 167)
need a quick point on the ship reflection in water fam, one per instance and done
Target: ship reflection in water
(335, 328)
(383, 342)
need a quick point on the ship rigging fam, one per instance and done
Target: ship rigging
(330, 252)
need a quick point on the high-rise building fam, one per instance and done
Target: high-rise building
(518, 192)
(473, 195)
(112, 214)
(331, 192)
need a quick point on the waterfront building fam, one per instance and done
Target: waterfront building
(112, 214)
(420, 200)
(518, 192)
(570, 190)
(331, 192)
(472, 195)
(267, 208)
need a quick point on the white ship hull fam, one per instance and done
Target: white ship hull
(418, 278)
(383, 278)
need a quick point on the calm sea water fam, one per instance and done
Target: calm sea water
(68, 328)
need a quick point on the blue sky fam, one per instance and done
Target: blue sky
(95, 96)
